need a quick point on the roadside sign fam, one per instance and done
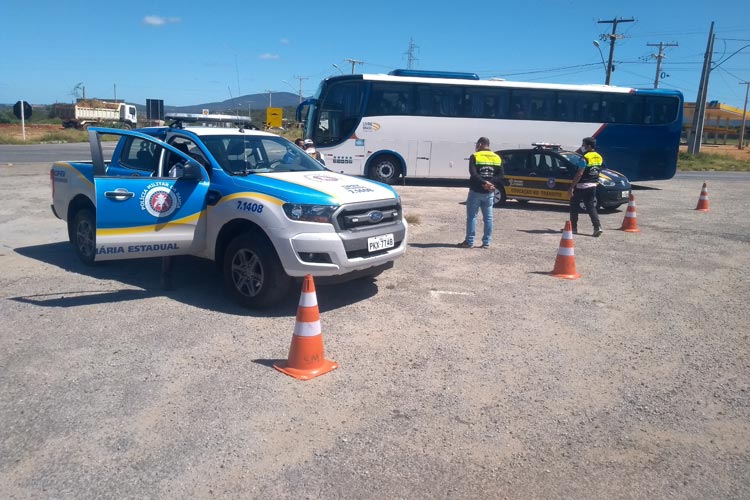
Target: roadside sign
(273, 117)
(154, 109)
(22, 106)
(22, 110)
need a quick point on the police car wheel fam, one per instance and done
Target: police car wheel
(252, 272)
(83, 236)
(385, 169)
(500, 197)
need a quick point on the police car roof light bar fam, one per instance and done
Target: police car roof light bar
(179, 119)
(546, 145)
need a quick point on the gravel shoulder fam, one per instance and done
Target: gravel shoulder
(463, 373)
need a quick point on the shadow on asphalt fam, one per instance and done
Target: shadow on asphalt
(540, 231)
(200, 285)
(433, 245)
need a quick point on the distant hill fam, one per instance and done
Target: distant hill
(254, 101)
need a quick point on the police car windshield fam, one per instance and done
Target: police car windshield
(245, 155)
(574, 158)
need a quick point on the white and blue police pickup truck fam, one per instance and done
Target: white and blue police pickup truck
(211, 187)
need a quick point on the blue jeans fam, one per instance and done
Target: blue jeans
(474, 202)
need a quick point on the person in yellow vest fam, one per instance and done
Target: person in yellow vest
(485, 171)
(583, 187)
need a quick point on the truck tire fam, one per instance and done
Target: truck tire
(253, 274)
(83, 236)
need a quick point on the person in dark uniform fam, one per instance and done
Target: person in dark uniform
(583, 187)
(485, 172)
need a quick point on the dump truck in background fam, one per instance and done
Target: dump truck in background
(96, 113)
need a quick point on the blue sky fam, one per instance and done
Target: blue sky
(196, 52)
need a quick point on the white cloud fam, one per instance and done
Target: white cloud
(268, 56)
(160, 21)
(285, 41)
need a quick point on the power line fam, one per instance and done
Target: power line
(548, 70)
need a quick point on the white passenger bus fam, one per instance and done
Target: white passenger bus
(425, 124)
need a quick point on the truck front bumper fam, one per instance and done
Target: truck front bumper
(334, 254)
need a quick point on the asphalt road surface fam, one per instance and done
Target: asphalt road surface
(463, 373)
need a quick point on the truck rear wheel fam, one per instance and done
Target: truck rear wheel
(83, 236)
(253, 273)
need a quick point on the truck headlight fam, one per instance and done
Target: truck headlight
(309, 213)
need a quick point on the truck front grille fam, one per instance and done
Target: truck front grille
(367, 215)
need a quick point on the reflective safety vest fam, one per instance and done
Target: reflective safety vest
(487, 162)
(594, 163)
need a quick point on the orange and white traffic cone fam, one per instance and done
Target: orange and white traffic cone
(306, 359)
(630, 222)
(565, 264)
(703, 199)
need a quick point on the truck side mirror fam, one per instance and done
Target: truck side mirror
(192, 171)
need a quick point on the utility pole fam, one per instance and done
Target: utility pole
(696, 131)
(410, 58)
(744, 115)
(353, 62)
(659, 57)
(612, 37)
(300, 78)
(269, 97)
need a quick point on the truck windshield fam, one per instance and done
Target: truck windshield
(244, 155)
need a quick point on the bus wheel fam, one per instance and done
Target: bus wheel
(385, 169)
(500, 197)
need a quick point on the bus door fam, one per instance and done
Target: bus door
(418, 161)
(449, 160)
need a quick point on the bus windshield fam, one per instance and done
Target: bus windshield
(337, 112)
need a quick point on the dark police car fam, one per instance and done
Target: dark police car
(544, 173)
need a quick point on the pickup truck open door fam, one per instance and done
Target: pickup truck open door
(148, 216)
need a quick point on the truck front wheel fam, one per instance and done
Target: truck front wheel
(253, 273)
(83, 236)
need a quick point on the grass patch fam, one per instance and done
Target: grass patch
(711, 162)
(65, 135)
(413, 218)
